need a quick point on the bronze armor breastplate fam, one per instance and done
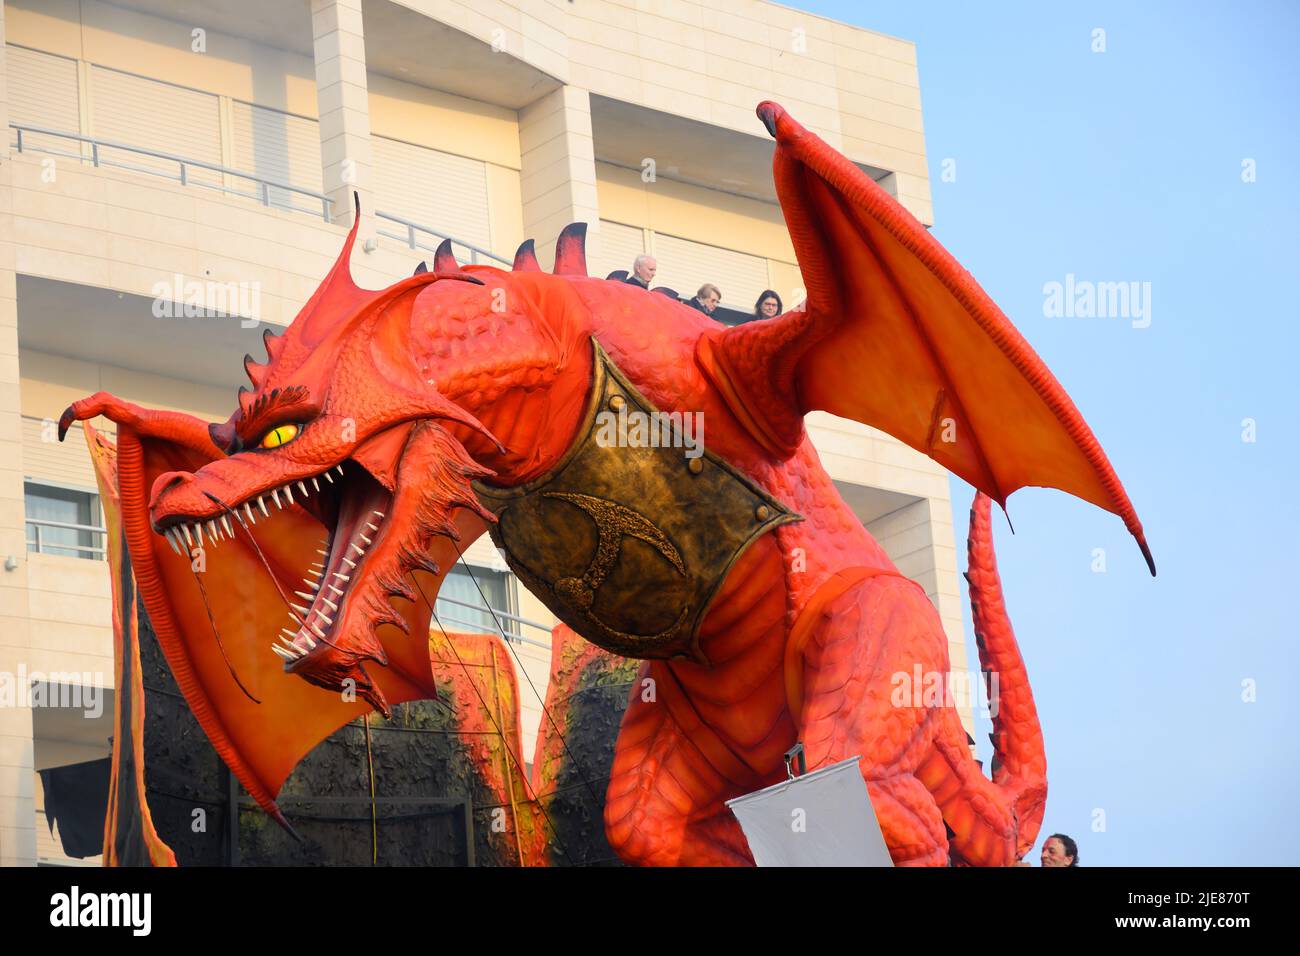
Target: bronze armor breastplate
(627, 542)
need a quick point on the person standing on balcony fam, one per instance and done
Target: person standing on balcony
(707, 299)
(768, 305)
(644, 268)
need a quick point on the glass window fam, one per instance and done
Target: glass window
(59, 521)
(459, 586)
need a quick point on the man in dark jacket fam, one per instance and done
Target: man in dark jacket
(707, 299)
(643, 270)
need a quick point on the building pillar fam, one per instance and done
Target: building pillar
(342, 102)
(17, 776)
(558, 170)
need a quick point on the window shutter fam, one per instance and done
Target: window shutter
(279, 146)
(619, 245)
(685, 265)
(43, 92)
(136, 111)
(433, 189)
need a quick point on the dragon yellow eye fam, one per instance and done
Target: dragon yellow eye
(281, 435)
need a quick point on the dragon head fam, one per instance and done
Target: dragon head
(346, 461)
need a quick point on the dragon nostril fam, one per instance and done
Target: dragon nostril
(177, 479)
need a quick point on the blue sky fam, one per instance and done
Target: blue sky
(1127, 166)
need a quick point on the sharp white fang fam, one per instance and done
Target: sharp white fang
(319, 632)
(359, 550)
(315, 572)
(225, 523)
(168, 535)
(303, 489)
(337, 591)
(328, 478)
(368, 541)
(287, 655)
(275, 496)
(325, 617)
(301, 610)
(323, 554)
(261, 504)
(305, 597)
(288, 642)
(334, 607)
(314, 483)
(189, 542)
(380, 514)
(288, 493)
(311, 645)
(339, 469)
(288, 633)
(372, 527)
(249, 512)
(340, 574)
(351, 564)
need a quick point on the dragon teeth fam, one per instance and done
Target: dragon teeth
(249, 511)
(337, 591)
(319, 632)
(225, 523)
(189, 542)
(261, 504)
(288, 493)
(338, 468)
(334, 607)
(314, 483)
(170, 540)
(288, 656)
(358, 549)
(372, 526)
(301, 610)
(275, 496)
(351, 564)
(329, 478)
(340, 574)
(303, 489)
(305, 597)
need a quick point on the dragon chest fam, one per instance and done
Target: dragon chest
(629, 536)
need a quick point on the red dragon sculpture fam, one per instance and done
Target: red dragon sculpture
(389, 427)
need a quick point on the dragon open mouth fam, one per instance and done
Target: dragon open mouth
(350, 507)
(352, 555)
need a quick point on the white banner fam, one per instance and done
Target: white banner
(823, 818)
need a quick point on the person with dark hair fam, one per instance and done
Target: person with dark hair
(1060, 850)
(768, 305)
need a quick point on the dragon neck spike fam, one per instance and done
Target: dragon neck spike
(273, 343)
(444, 260)
(571, 250)
(256, 371)
(526, 258)
(421, 268)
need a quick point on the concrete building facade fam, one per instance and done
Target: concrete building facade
(161, 150)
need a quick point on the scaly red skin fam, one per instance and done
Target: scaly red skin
(438, 380)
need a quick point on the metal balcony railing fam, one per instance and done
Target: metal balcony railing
(410, 231)
(413, 229)
(39, 539)
(99, 147)
(511, 635)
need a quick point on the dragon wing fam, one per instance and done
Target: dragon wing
(897, 335)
